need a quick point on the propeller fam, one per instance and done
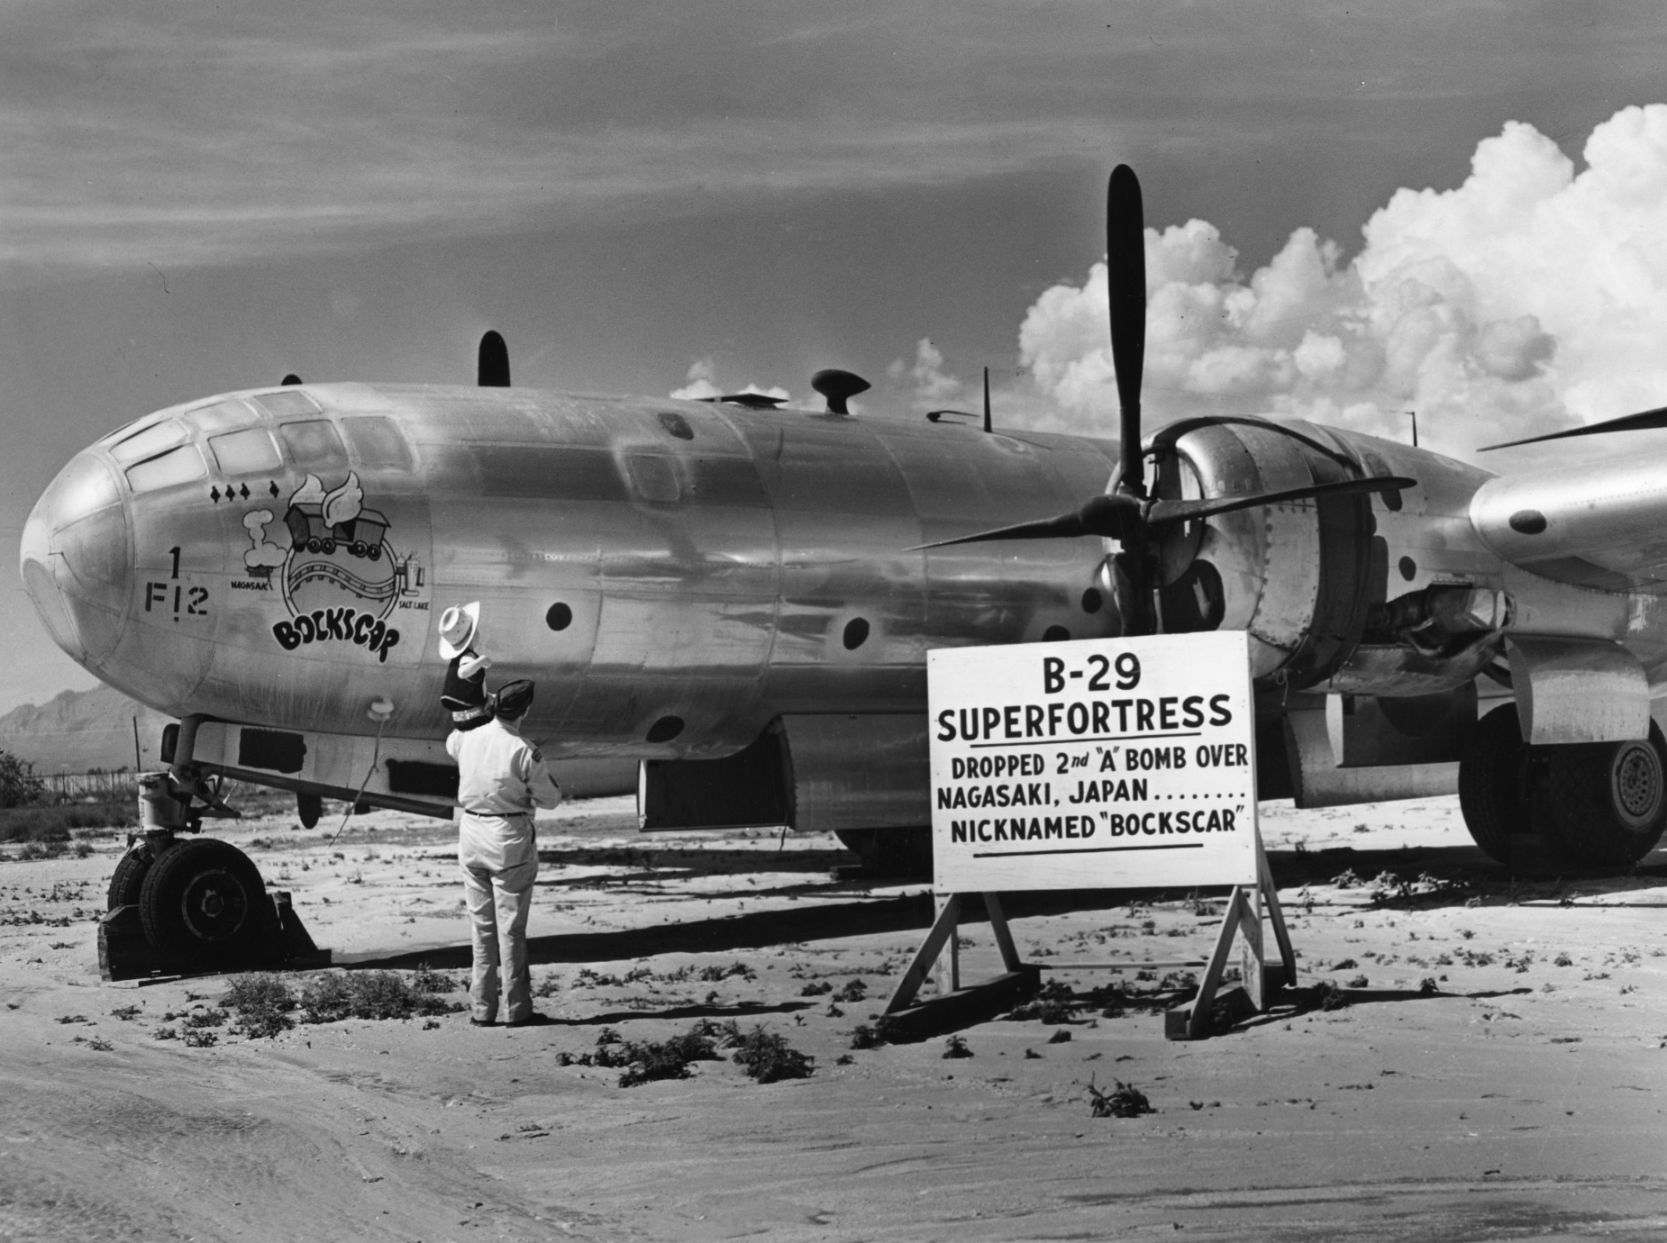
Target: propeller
(492, 370)
(1126, 513)
(1643, 421)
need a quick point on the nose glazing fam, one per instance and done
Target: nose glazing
(77, 560)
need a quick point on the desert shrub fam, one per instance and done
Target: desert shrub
(18, 784)
(326, 998)
(425, 979)
(867, 1036)
(54, 823)
(713, 973)
(334, 996)
(1053, 1003)
(646, 1061)
(262, 1003)
(1124, 1101)
(854, 991)
(767, 1058)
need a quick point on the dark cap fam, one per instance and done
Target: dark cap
(514, 698)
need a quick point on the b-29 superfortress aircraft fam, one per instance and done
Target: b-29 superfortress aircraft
(741, 597)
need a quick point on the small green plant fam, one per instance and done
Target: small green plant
(854, 991)
(712, 974)
(263, 1004)
(956, 1046)
(331, 997)
(768, 1058)
(1053, 1004)
(425, 979)
(1124, 1101)
(867, 1036)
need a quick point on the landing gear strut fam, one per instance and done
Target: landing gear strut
(1597, 805)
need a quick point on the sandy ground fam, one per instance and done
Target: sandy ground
(1497, 1071)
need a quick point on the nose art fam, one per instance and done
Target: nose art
(77, 560)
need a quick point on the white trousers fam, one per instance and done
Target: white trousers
(499, 860)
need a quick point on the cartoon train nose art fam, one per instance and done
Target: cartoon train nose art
(339, 575)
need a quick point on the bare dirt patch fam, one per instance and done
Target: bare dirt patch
(1466, 1056)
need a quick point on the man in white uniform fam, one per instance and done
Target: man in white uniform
(501, 779)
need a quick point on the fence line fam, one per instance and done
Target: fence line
(104, 787)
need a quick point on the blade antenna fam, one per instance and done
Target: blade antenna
(492, 369)
(986, 399)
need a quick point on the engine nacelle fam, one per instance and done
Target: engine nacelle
(1373, 595)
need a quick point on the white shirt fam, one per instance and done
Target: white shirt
(501, 778)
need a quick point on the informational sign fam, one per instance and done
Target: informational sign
(1104, 763)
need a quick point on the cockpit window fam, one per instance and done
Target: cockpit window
(223, 415)
(148, 441)
(287, 401)
(314, 443)
(248, 452)
(181, 465)
(376, 442)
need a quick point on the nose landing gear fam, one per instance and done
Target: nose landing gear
(193, 905)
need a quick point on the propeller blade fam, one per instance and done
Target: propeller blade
(492, 370)
(1061, 526)
(1643, 421)
(1126, 293)
(1169, 513)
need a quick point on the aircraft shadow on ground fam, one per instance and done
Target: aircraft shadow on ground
(1325, 997)
(1434, 878)
(1437, 877)
(746, 931)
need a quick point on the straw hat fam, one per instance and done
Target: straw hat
(457, 629)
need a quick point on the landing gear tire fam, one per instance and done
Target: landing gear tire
(129, 877)
(202, 905)
(309, 809)
(1608, 800)
(1493, 783)
(905, 854)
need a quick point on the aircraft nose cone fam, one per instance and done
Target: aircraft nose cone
(77, 560)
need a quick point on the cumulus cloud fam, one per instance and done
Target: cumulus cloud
(702, 384)
(931, 386)
(1531, 296)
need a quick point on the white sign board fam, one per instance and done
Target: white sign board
(1104, 763)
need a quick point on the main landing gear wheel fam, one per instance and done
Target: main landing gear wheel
(1493, 783)
(129, 877)
(1609, 799)
(203, 905)
(902, 853)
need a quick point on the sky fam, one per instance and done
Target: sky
(1354, 211)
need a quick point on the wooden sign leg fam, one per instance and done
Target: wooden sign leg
(1198, 1020)
(943, 928)
(1003, 934)
(1276, 915)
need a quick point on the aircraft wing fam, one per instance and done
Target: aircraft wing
(1599, 523)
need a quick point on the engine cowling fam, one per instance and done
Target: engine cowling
(1299, 577)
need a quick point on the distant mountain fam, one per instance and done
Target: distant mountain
(81, 730)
